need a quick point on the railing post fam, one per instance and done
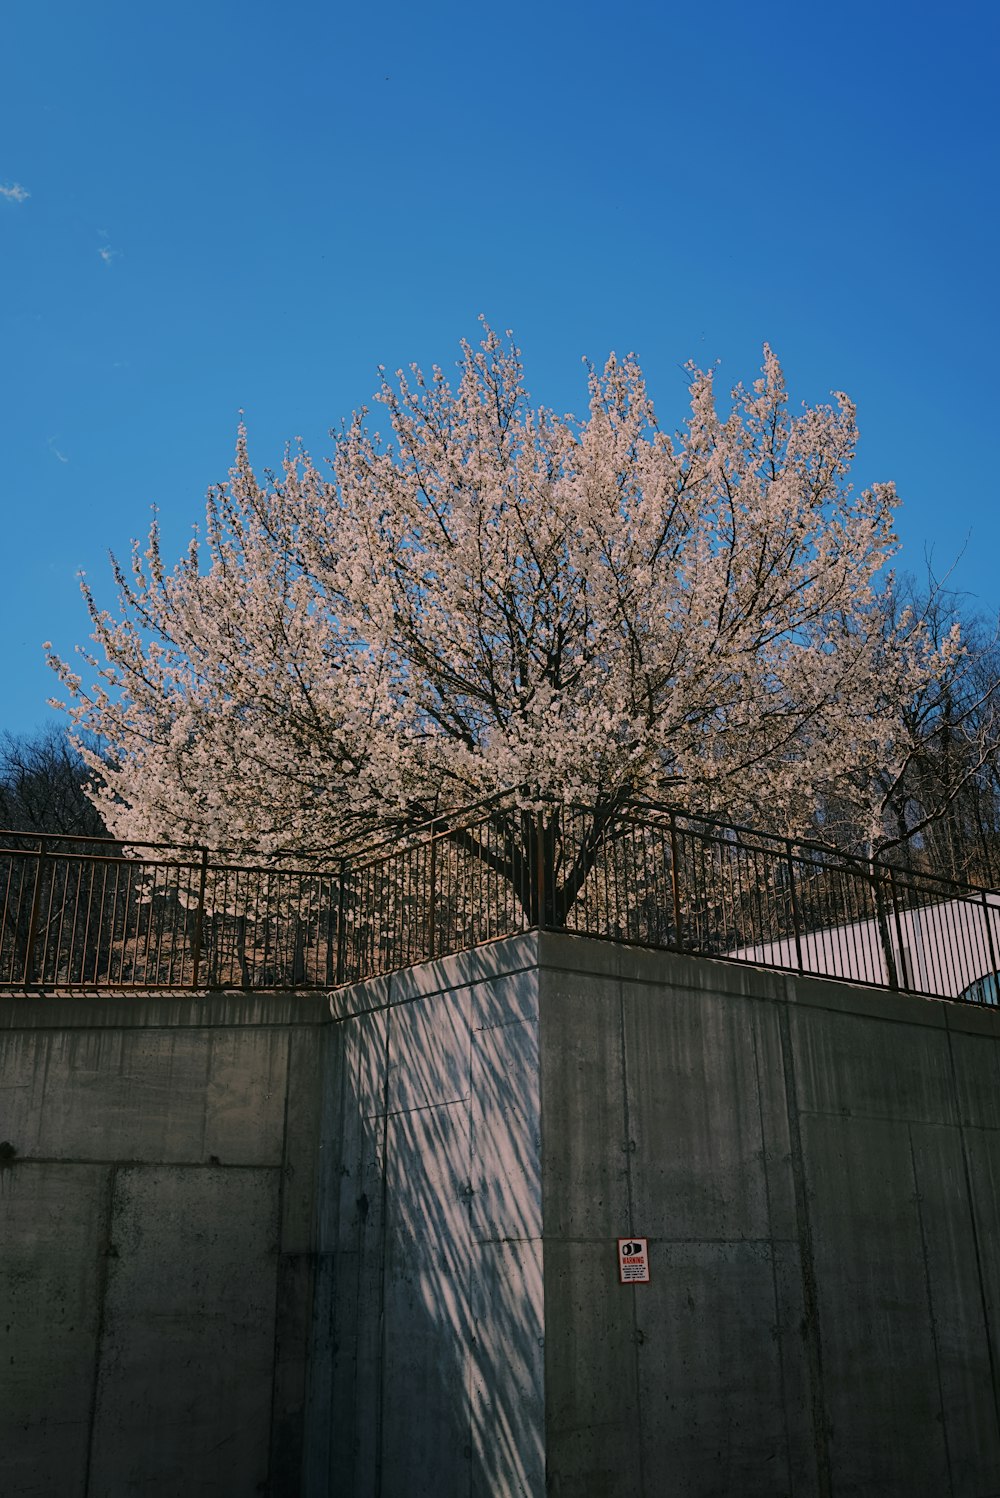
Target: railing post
(36, 900)
(540, 867)
(675, 882)
(991, 945)
(903, 978)
(882, 922)
(341, 934)
(796, 921)
(199, 920)
(432, 896)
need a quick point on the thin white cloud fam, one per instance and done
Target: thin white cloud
(107, 254)
(15, 193)
(54, 450)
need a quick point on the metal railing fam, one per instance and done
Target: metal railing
(80, 914)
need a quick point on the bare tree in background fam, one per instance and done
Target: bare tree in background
(42, 785)
(934, 804)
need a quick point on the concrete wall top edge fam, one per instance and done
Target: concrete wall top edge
(533, 949)
(193, 1011)
(971, 1019)
(570, 953)
(497, 959)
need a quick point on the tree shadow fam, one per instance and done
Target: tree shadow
(428, 1346)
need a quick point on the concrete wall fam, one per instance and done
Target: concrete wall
(250, 1245)
(266, 1245)
(157, 1223)
(816, 1168)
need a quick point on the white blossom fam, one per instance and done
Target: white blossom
(496, 596)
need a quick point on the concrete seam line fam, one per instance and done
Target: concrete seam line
(973, 1218)
(104, 1257)
(769, 1241)
(813, 1339)
(930, 1305)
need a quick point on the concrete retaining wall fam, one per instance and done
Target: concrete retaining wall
(266, 1245)
(157, 1226)
(815, 1166)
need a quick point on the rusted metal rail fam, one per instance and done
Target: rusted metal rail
(81, 914)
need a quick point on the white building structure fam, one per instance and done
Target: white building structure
(950, 949)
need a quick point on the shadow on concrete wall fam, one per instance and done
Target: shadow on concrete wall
(431, 1205)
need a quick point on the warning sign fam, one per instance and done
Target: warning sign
(633, 1261)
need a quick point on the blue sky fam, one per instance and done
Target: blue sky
(251, 207)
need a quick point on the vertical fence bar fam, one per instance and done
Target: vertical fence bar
(540, 867)
(199, 919)
(675, 882)
(882, 924)
(992, 947)
(36, 900)
(902, 976)
(432, 895)
(341, 934)
(796, 921)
